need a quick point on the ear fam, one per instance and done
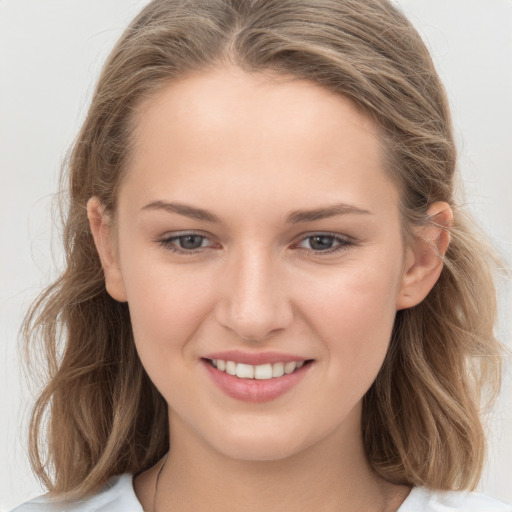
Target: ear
(424, 258)
(104, 239)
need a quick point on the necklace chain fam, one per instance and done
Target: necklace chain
(157, 480)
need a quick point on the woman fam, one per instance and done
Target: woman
(271, 293)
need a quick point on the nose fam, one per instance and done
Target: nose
(254, 304)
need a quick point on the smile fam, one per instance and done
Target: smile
(271, 376)
(259, 372)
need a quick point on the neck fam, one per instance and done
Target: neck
(332, 475)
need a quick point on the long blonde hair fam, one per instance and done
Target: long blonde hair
(100, 415)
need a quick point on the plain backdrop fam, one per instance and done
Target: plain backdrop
(50, 54)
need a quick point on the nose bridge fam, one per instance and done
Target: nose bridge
(254, 304)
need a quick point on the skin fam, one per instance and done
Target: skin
(250, 149)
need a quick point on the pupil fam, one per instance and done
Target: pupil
(321, 242)
(191, 241)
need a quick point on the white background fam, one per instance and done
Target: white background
(50, 55)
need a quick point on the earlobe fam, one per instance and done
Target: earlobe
(424, 259)
(101, 229)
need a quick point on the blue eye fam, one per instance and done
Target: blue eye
(185, 243)
(323, 243)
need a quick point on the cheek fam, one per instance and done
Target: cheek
(355, 298)
(353, 316)
(167, 305)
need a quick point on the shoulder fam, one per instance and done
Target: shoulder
(116, 496)
(422, 499)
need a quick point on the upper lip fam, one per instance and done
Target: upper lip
(255, 358)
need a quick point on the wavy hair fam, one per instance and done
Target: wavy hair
(100, 415)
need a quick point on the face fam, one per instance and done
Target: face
(256, 228)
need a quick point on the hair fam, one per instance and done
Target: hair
(100, 415)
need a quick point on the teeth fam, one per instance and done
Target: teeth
(263, 371)
(259, 372)
(289, 367)
(231, 367)
(245, 371)
(277, 369)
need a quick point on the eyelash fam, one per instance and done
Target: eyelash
(343, 243)
(167, 243)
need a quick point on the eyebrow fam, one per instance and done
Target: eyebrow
(183, 209)
(324, 213)
(295, 217)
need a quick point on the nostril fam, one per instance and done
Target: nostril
(254, 326)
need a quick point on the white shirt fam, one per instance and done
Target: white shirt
(118, 496)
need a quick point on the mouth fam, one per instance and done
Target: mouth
(258, 372)
(256, 383)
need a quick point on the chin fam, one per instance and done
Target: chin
(263, 444)
(263, 451)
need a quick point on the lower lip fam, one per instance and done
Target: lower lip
(255, 390)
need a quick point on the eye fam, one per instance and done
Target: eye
(323, 243)
(185, 243)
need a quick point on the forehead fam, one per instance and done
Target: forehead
(256, 134)
(228, 96)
